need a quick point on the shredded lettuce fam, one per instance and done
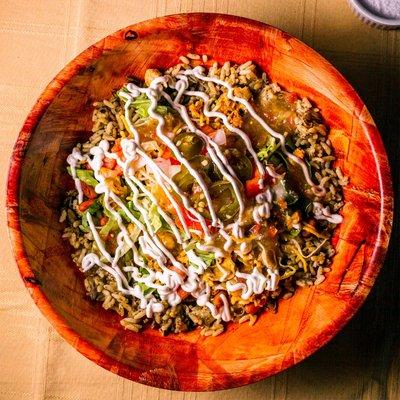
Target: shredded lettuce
(294, 232)
(155, 218)
(93, 209)
(96, 206)
(191, 246)
(111, 225)
(85, 175)
(142, 103)
(145, 289)
(84, 226)
(208, 258)
(132, 209)
(128, 256)
(134, 233)
(144, 271)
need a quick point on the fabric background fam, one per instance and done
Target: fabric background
(37, 38)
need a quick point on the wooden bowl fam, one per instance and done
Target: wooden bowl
(62, 117)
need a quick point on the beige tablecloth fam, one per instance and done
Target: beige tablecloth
(37, 38)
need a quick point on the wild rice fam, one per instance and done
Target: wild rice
(193, 56)
(184, 59)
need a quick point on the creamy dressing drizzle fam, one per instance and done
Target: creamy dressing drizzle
(169, 281)
(256, 283)
(215, 154)
(162, 177)
(263, 207)
(321, 212)
(211, 249)
(239, 132)
(153, 93)
(198, 72)
(73, 160)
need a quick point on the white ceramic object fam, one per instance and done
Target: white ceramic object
(373, 18)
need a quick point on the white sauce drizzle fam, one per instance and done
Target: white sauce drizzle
(321, 212)
(263, 208)
(256, 283)
(210, 249)
(231, 128)
(198, 72)
(72, 160)
(214, 152)
(153, 93)
(163, 179)
(167, 281)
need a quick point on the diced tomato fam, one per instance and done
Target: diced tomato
(181, 273)
(109, 163)
(111, 173)
(85, 205)
(103, 220)
(117, 149)
(168, 155)
(88, 191)
(255, 229)
(272, 231)
(182, 294)
(208, 130)
(174, 161)
(117, 146)
(118, 170)
(218, 302)
(252, 186)
(252, 308)
(187, 216)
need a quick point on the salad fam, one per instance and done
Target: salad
(205, 195)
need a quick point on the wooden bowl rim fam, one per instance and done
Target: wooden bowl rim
(14, 227)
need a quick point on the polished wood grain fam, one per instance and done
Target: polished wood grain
(242, 355)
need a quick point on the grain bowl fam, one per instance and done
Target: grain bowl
(184, 352)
